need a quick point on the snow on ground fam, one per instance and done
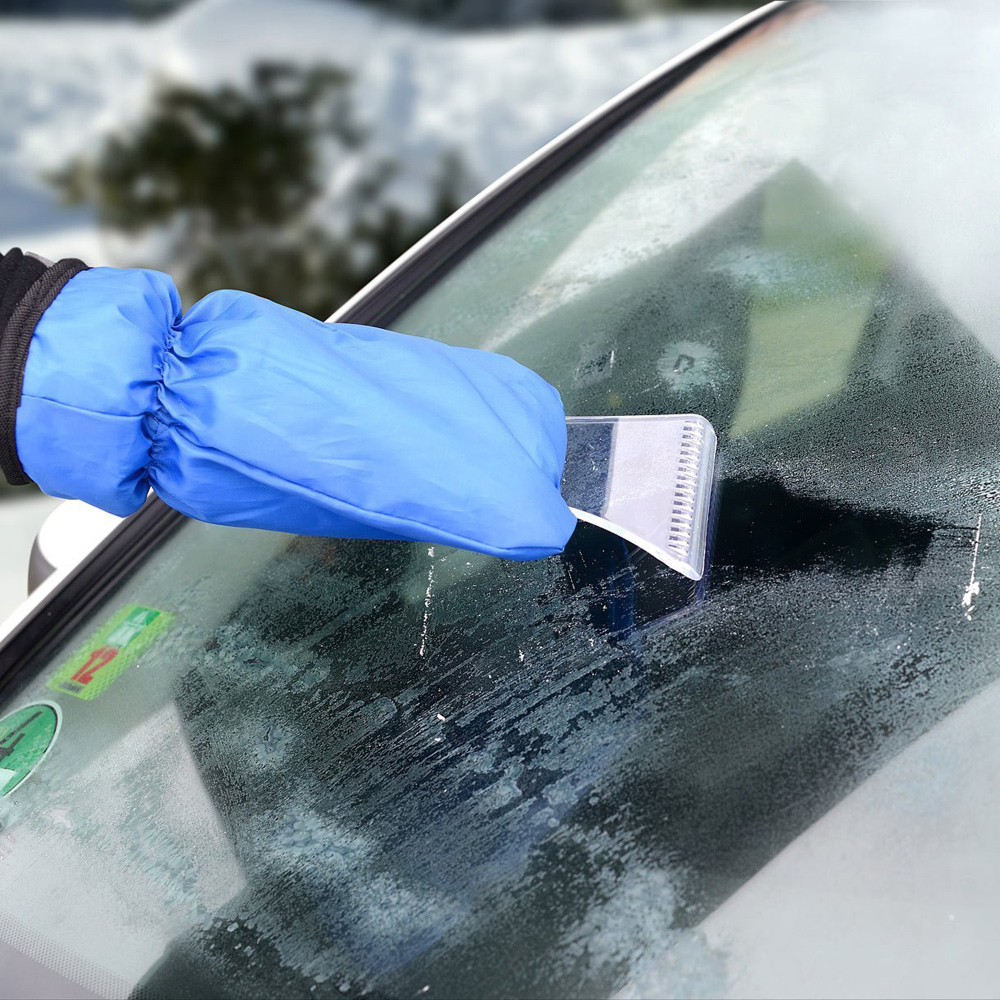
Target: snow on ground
(57, 82)
(492, 97)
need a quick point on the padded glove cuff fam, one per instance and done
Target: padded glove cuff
(28, 286)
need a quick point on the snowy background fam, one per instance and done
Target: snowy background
(419, 91)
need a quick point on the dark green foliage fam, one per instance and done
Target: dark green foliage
(508, 13)
(497, 13)
(88, 8)
(229, 182)
(449, 13)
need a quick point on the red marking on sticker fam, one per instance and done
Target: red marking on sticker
(100, 657)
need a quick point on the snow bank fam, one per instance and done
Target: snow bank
(491, 97)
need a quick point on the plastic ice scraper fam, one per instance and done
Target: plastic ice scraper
(648, 480)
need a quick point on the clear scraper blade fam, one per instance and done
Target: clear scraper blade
(647, 479)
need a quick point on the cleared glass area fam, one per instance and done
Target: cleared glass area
(381, 769)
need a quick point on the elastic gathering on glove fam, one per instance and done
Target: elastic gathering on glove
(28, 286)
(244, 412)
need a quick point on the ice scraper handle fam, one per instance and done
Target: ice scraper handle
(243, 412)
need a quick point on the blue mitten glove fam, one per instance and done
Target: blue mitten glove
(243, 412)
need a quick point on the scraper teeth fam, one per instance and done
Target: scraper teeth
(686, 491)
(647, 479)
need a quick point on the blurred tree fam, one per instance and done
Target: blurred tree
(506, 13)
(449, 13)
(226, 189)
(147, 9)
(88, 8)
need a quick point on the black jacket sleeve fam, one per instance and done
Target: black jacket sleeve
(28, 286)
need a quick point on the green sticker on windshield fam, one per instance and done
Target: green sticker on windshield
(110, 652)
(26, 736)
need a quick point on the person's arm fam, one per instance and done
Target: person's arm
(28, 285)
(244, 412)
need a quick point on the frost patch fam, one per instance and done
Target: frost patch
(686, 364)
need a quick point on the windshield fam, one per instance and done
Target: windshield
(303, 767)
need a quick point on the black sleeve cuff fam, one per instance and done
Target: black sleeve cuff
(28, 286)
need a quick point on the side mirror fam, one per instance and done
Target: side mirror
(68, 534)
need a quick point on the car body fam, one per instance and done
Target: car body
(326, 768)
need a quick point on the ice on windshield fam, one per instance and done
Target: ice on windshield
(382, 769)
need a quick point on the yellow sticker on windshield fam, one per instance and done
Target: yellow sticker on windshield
(110, 652)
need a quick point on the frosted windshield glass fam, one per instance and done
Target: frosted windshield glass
(349, 768)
